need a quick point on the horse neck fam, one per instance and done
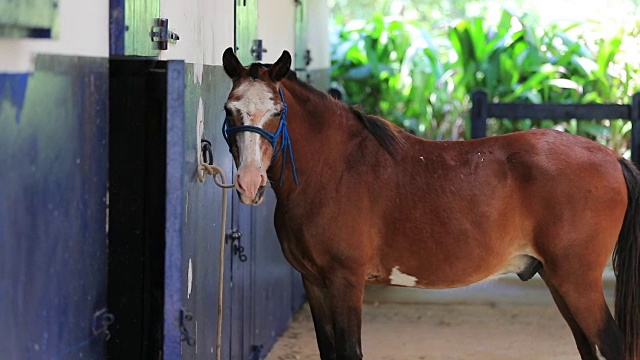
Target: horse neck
(314, 125)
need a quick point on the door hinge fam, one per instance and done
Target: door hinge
(257, 50)
(161, 35)
(185, 317)
(101, 321)
(256, 352)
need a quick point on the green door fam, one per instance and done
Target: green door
(139, 18)
(28, 18)
(246, 29)
(302, 54)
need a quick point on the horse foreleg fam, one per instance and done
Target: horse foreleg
(345, 299)
(319, 303)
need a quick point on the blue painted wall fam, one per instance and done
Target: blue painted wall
(53, 211)
(261, 294)
(53, 193)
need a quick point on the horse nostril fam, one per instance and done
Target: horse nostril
(238, 183)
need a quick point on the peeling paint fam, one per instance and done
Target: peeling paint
(198, 69)
(14, 88)
(189, 279)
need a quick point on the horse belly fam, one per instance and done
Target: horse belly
(524, 265)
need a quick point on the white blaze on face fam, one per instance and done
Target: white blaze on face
(398, 278)
(256, 107)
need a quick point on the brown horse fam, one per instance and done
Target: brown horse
(360, 201)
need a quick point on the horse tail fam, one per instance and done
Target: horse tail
(626, 265)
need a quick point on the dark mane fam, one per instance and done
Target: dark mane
(384, 133)
(382, 130)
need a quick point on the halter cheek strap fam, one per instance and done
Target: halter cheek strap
(282, 133)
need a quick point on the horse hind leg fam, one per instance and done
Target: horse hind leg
(580, 298)
(587, 351)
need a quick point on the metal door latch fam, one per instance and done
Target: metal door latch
(307, 58)
(234, 238)
(161, 35)
(257, 50)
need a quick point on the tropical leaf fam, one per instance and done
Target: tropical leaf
(420, 77)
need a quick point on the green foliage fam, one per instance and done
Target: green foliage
(422, 79)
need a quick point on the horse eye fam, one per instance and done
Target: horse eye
(228, 112)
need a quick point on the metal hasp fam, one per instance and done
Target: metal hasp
(238, 250)
(307, 57)
(257, 50)
(161, 35)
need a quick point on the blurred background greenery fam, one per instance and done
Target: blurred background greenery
(417, 64)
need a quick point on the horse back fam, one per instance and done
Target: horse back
(471, 207)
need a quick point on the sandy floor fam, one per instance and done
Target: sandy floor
(492, 323)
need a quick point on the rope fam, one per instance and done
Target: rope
(215, 172)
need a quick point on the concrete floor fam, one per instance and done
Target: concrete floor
(500, 319)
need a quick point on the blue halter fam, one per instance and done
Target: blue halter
(285, 143)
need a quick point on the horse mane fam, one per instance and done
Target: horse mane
(382, 130)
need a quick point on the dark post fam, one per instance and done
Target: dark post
(479, 110)
(635, 128)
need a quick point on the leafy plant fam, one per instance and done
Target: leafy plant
(422, 79)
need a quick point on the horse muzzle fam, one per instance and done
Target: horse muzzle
(250, 185)
(257, 200)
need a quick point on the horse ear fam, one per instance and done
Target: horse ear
(232, 66)
(280, 68)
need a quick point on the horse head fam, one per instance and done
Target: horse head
(255, 124)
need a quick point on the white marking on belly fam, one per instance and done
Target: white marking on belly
(398, 278)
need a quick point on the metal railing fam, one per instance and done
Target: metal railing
(482, 109)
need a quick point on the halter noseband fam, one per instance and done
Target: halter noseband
(285, 143)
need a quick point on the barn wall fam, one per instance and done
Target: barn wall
(318, 43)
(83, 31)
(276, 25)
(262, 293)
(205, 29)
(54, 105)
(203, 210)
(53, 187)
